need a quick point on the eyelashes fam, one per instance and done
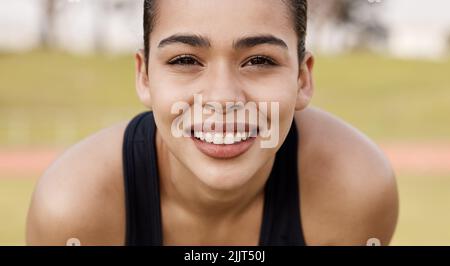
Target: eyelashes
(190, 60)
(184, 60)
(261, 61)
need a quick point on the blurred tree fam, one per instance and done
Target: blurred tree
(448, 42)
(357, 18)
(102, 8)
(105, 11)
(48, 24)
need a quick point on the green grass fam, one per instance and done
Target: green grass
(387, 98)
(15, 196)
(424, 210)
(53, 98)
(38, 79)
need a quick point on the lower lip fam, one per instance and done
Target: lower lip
(223, 151)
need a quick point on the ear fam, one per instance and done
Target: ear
(305, 82)
(142, 81)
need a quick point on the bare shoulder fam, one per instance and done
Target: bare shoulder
(348, 187)
(81, 195)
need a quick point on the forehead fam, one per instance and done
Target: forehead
(223, 20)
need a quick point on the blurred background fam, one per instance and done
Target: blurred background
(67, 70)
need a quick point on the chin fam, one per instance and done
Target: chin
(223, 178)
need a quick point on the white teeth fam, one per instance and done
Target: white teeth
(229, 139)
(220, 138)
(208, 137)
(199, 135)
(237, 137)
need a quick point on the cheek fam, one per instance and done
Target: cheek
(280, 91)
(165, 93)
(168, 99)
(163, 115)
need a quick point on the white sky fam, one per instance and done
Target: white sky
(428, 11)
(19, 19)
(432, 13)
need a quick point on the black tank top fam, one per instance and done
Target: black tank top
(281, 223)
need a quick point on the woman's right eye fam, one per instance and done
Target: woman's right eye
(184, 60)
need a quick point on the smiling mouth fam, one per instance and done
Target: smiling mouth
(223, 145)
(222, 138)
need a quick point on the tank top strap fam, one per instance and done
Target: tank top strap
(143, 214)
(281, 216)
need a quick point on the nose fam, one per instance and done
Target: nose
(222, 85)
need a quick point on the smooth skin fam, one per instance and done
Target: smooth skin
(347, 186)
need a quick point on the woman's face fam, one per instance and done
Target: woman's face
(218, 58)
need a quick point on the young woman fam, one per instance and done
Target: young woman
(136, 183)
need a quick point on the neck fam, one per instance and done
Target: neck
(181, 187)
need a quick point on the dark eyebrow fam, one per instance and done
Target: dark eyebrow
(192, 40)
(245, 42)
(252, 41)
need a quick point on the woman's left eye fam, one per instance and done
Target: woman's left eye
(261, 61)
